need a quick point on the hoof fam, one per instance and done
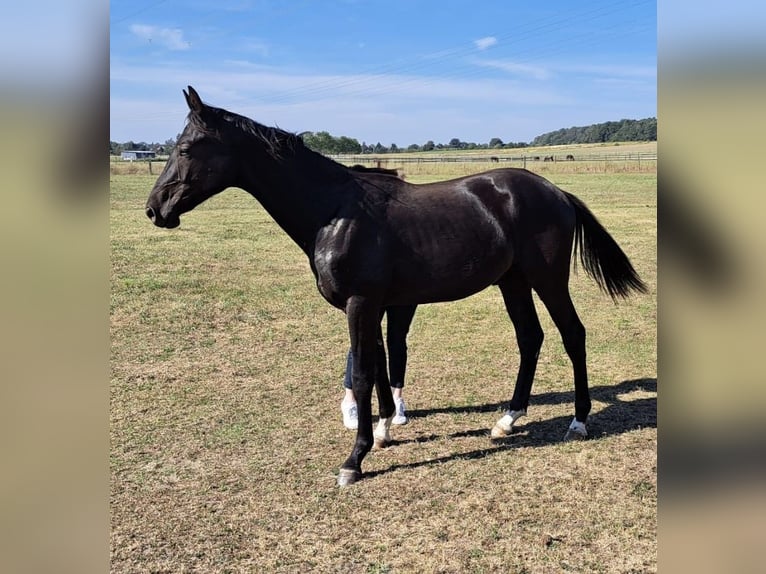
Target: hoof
(348, 476)
(380, 443)
(574, 435)
(577, 431)
(504, 427)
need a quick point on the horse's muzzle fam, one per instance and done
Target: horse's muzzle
(156, 218)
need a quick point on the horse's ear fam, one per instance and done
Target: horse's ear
(193, 100)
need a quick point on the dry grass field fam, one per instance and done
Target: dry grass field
(226, 435)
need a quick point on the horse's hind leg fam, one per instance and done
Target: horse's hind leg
(386, 408)
(517, 295)
(399, 319)
(557, 300)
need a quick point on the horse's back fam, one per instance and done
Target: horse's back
(512, 197)
(465, 234)
(450, 239)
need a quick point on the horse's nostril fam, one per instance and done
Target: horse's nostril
(150, 213)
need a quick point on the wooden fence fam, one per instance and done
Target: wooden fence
(483, 158)
(648, 159)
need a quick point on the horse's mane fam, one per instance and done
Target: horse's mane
(275, 140)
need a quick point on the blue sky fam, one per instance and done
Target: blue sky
(390, 71)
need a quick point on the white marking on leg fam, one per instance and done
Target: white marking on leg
(577, 429)
(382, 433)
(504, 426)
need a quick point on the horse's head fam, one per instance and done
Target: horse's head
(201, 165)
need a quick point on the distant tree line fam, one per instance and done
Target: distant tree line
(158, 148)
(622, 131)
(324, 142)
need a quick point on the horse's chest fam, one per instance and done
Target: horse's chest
(344, 260)
(328, 262)
(332, 258)
(328, 267)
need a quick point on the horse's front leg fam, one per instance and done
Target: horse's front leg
(363, 316)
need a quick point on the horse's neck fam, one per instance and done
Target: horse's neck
(301, 192)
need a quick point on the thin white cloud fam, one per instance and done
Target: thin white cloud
(264, 84)
(486, 42)
(635, 85)
(392, 108)
(170, 38)
(258, 47)
(630, 71)
(537, 72)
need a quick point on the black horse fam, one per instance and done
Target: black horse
(373, 240)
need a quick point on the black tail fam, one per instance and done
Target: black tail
(601, 256)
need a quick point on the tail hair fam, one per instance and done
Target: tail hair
(601, 256)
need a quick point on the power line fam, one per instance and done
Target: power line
(318, 88)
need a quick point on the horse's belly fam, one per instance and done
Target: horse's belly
(447, 281)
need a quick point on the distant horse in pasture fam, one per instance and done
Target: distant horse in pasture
(374, 241)
(548, 158)
(570, 157)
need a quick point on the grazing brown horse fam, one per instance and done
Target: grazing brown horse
(373, 240)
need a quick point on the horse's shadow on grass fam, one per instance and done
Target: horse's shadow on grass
(620, 416)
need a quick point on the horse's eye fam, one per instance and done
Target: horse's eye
(183, 151)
